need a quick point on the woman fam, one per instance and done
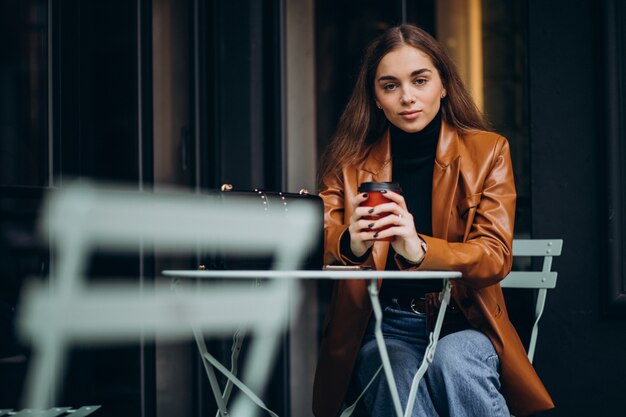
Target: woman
(411, 120)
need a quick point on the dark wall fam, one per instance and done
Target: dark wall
(244, 94)
(581, 352)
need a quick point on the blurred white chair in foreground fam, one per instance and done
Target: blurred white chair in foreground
(81, 218)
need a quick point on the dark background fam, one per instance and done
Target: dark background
(581, 353)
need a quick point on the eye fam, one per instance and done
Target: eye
(420, 81)
(390, 86)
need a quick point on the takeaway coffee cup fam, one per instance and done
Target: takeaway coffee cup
(376, 197)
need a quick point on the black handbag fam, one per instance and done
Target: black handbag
(271, 202)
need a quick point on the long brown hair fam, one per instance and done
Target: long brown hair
(361, 125)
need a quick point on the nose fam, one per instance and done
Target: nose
(407, 97)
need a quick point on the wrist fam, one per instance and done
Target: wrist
(347, 252)
(423, 249)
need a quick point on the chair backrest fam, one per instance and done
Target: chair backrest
(82, 218)
(539, 280)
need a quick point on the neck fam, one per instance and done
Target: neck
(405, 144)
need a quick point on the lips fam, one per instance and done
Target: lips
(410, 114)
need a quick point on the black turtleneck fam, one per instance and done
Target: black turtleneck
(413, 160)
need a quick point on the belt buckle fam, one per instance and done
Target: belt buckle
(413, 306)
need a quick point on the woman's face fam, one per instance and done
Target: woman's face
(408, 88)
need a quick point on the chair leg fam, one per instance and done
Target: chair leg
(260, 351)
(541, 302)
(217, 393)
(234, 361)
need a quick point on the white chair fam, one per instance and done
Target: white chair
(52, 412)
(540, 280)
(82, 218)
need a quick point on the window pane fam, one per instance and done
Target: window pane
(96, 89)
(23, 93)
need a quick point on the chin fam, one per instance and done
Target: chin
(410, 128)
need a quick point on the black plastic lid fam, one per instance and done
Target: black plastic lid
(380, 186)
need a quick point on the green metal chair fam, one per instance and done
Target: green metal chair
(540, 280)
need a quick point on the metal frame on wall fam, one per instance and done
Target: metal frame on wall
(614, 294)
(145, 145)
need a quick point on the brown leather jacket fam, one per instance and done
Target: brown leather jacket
(473, 206)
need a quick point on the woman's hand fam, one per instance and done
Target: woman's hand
(360, 228)
(406, 243)
(363, 232)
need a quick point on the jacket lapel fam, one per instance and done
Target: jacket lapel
(445, 179)
(377, 166)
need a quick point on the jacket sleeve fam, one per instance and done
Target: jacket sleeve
(334, 197)
(484, 257)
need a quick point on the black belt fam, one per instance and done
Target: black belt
(414, 303)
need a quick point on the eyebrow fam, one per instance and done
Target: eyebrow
(413, 74)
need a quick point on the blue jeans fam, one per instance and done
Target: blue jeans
(462, 380)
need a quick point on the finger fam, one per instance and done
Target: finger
(396, 232)
(362, 214)
(381, 234)
(366, 238)
(392, 208)
(391, 220)
(357, 210)
(396, 198)
(358, 199)
(362, 225)
(366, 211)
